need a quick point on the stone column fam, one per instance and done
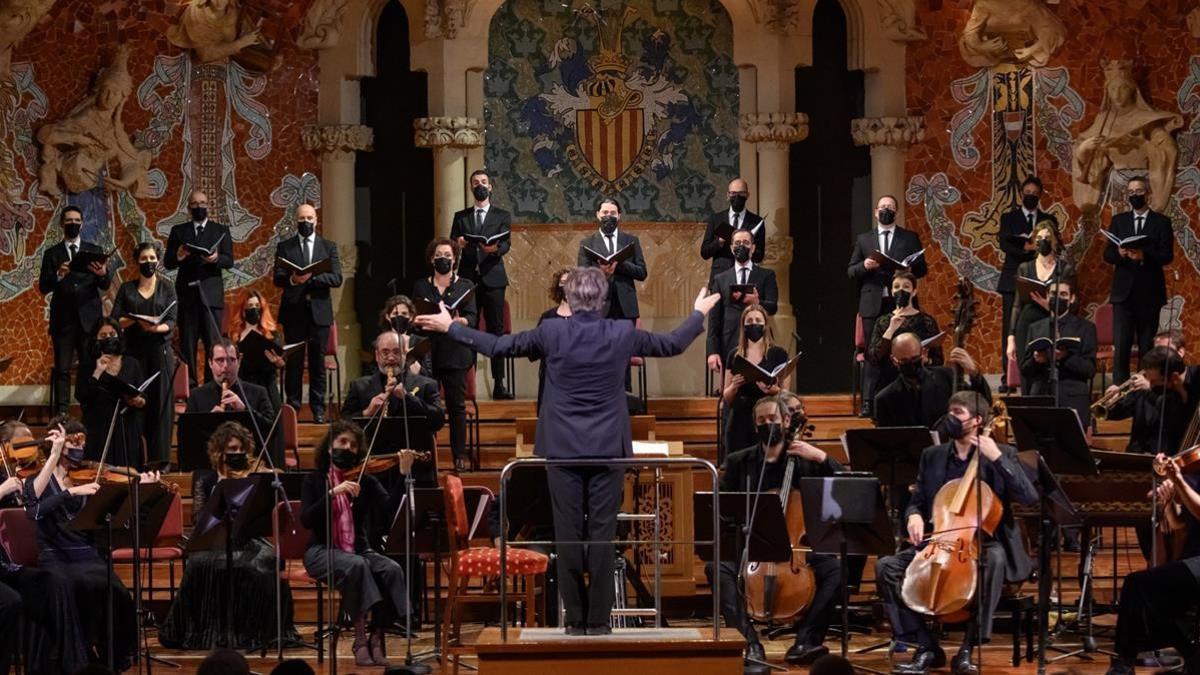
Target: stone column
(450, 138)
(889, 139)
(771, 134)
(336, 145)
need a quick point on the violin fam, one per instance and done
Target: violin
(375, 465)
(20, 456)
(942, 578)
(1171, 533)
(90, 471)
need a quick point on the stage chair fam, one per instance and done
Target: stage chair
(180, 388)
(857, 360)
(1013, 375)
(640, 363)
(1105, 348)
(291, 538)
(333, 363)
(166, 546)
(18, 536)
(289, 426)
(484, 561)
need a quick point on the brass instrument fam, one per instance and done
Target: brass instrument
(1111, 398)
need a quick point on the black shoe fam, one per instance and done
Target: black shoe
(801, 654)
(961, 665)
(923, 660)
(501, 393)
(319, 417)
(865, 411)
(756, 656)
(461, 465)
(576, 629)
(1120, 666)
(599, 629)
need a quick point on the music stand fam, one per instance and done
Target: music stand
(238, 510)
(97, 518)
(1028, 401)
(428, 520)
(845, 515)
(768, 533)
(893, 454)
(532, 511)
(193, 433)
(393, 436)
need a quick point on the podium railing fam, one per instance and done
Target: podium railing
(657, 463)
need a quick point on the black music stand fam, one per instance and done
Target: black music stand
(238, 510)
(845, 515)
(1028, 401)
(893, 454)
(98, 518)
(394, 436)
(428, 526)
(194, 430)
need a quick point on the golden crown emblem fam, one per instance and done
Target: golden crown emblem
(609, 57)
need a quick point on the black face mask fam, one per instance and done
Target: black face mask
(199, 214)
(344, 459)
(147, 269)
(1044, 247)
(110, 345)
(1138, 202)
(903, 298)
(399, 323)
(608, 224)
(737, 203)
(741, 253)
(71, 230)
(305, 228)
(238, 461)
(951, 427)
(770, 434)
(911, 368)
(480, 193)
(1059, 306)
(887, 217)
(74, 456)
(754, 331)
(442, 265)
(252, 315)
(1030, 202)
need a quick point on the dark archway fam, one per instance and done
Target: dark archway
(830, 200)
(394, 182)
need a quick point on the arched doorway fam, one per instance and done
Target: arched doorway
(829, 192)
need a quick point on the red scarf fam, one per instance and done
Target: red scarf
(343, 516)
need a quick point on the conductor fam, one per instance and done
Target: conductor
(583, 416)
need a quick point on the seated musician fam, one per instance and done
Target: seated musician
(917, 398)
(1076, 360)
(1005, 557)
(371, 585)
(742, 470)
(223, 393)
(1156, 602)
(52, 499)
(195, 620)
(1144, 402)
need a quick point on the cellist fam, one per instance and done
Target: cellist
(773, 427)
(1005, 559)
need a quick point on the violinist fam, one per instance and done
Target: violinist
(1005, 559)
(1155, 602)
(52, 499)
(372, 585)
(98, 402)
(766, 460)
(195, 619)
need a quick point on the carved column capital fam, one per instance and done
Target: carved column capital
(340, 141)
(779, 252)
(461, 133)
(893, 132)
(781, 128)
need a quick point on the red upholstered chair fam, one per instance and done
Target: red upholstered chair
(165, 547)
(467, 562)
(1013, 375)
(857, 361)
(289, 427)
(1105, 349)
(180, 389)
(640, 363)
(333, 364)
(18, 536)
(291, 538)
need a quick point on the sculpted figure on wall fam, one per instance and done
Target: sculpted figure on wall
(1127, 134)
(79, 149)
(17, 18)
(219, 29)
(1011, 31)
(322, 25)
(899, 19)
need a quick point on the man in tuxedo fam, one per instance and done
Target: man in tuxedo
(483, 264)
(1138, 288)
(223, 392)
(1016, 241)
(917, 398)
(198, 284)
(1076, 362)
(305, 309)
(725, 324)
(75, 307)
(583, 416)
(874, 283)
(738, 217)
(622, 294)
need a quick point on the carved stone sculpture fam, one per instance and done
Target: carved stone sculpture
(322, 25)
(1126, 134)
(443, 18)
(216, 29)
(1011, 31)
(79, 149)
(899, 19)
(17, 18)
(782, 128)
(462, 133)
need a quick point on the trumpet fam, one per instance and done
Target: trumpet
(1111, 398)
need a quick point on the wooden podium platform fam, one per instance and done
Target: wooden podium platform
(662, 651)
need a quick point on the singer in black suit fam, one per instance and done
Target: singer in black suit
(1016, 241)
(740, 218)
(75, 307)
(1139, 289)
(305, 308)
(875, 285)
(725, 324)
(483, 264)
(583, 416)
(1076, 363)
(223, 393)
(622, 294)
(198, 284)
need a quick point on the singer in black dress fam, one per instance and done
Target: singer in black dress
(738, 394)
(98, 402)
(150, 346)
